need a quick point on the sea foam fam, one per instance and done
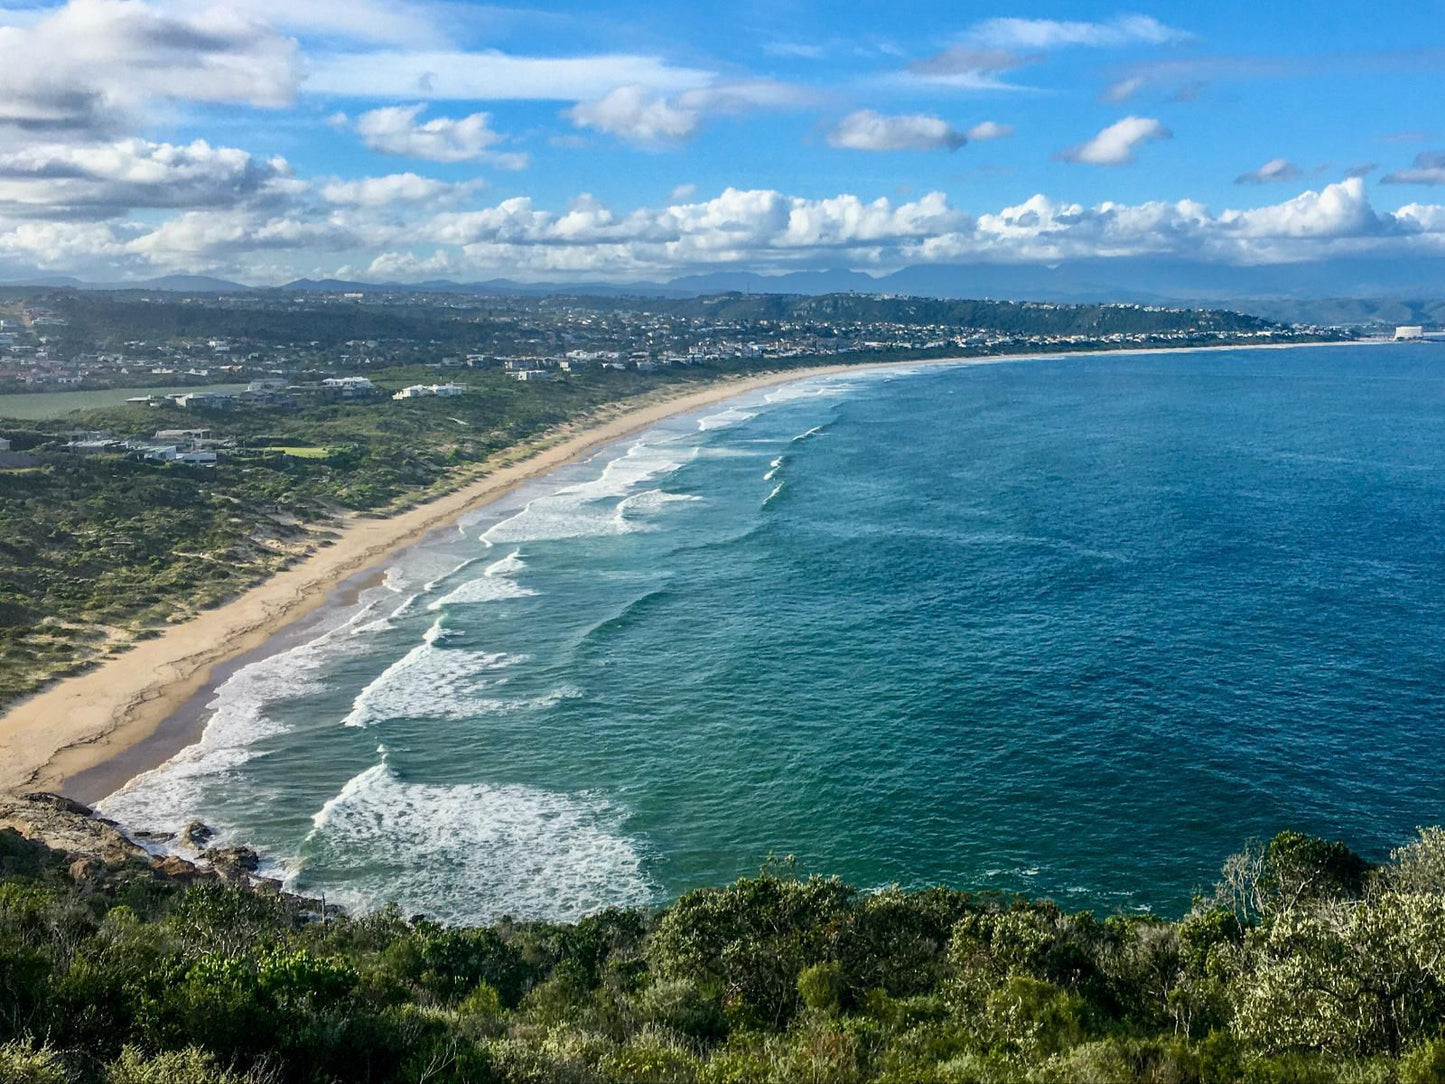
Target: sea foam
(493, 585)
(166, 798)
(582, 510)
(726, 419)
(432, 681)
(471, 852)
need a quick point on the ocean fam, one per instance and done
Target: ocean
(1076, 627)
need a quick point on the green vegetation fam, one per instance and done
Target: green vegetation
(97, 549)
(305, 453)
(1306, 964)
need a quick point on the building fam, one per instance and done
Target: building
(205, 400)
(350, 387)
(1408, 332)
(418, 391)
(531, 374)
(4, 444)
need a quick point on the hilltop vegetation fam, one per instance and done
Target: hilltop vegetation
(1305, 964)
(95, 550)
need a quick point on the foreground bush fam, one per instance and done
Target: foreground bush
(1306, 964)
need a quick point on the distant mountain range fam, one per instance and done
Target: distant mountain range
(1306, 292)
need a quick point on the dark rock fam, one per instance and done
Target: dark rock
(153, 837)
(233, 864)
(197, 835)
(269, 885)
(60, 803)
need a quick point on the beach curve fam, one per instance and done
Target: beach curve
(85, 720)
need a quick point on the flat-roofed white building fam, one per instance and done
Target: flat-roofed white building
(1406, 332)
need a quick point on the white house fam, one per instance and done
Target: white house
(1406, 332)
(417, 391)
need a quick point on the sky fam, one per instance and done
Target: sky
(404, 141)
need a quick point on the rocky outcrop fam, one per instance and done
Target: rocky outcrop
(49, 832)
(233, 864)
(197, 836)
(69, 827)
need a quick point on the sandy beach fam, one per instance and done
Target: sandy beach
(85, 720)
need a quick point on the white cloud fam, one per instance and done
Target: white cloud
(965, 67)
(759, 229)
(1123, 89)
(396, 188)
(683, 192)
(1429, 168)
(867, 130)
(1047, 34)
(638, 115)
(986, 130)
(94, 65)
(1274, 171)
(1115, 145)
(796, 50)
(491, 75)
(380, 21)
(1337, 210)
(398, 130)
(211, 240)
(98, 180)
(646, 118)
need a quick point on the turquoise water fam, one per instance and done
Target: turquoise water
(1075, 627)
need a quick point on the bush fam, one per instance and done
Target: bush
(21, 1062)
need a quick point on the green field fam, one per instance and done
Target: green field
(303, 452)
(44, 405)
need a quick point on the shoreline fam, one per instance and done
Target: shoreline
(98, 725)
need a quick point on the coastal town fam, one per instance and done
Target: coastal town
(53, 340)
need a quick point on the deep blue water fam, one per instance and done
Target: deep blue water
(1076, 627)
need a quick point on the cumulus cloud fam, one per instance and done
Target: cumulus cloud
(1337, 210)
(1115, 145)
(399, 130)
(1049, 34)
(1429, 168)
(759, 229)
(99, 180)
(638, 115)
(867, 130)
(986, 130)
(1274, 171)
(92, 66)
(646, 118)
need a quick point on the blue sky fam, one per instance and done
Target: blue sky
(264, 140)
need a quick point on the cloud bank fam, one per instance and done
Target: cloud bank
(404, 226)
